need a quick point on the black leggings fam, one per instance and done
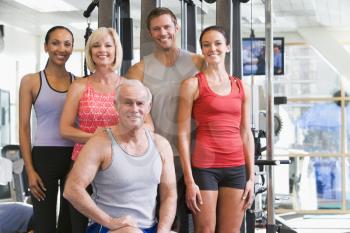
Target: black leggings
(52, 164)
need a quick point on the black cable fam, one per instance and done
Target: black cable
(90, 8)
(252, 35)
(88, 32)
(202, 17)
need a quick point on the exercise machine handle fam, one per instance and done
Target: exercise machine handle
(272, 162)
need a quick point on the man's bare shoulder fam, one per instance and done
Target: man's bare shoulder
(136, 71)
(160, 139)
(198, 60)
(98, 146)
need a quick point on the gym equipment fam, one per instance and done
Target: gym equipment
(20, 180)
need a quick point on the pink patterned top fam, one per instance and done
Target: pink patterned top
(95, 110)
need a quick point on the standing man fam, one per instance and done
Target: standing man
(162, 72)
(277, 57)
(125, 165)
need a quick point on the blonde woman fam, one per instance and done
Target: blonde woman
(91, 100)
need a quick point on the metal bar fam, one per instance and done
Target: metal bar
(183, 25)
(317, 99)
(117, 18)
(272, 162)
(146, 43)
(191, 27)
(125, 33)
(106, 17)
(343, 141)
(313, 155)
(224, 19)
(236, 39)
(271, 223)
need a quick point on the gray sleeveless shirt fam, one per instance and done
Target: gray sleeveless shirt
(48, 107)
(129, 185)
(164, 83)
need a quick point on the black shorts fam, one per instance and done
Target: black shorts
(214, 178)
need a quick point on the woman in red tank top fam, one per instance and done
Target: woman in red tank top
(219, 174)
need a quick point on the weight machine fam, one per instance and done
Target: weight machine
(116, 14)
(258, 215)
(118, 17)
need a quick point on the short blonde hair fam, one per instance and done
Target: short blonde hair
(96, 36)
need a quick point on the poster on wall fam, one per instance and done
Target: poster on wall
(253, 53)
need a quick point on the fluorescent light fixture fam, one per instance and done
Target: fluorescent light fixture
(47, 5)
(83, 26)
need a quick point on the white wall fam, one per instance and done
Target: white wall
(19, 57)
(23, 54)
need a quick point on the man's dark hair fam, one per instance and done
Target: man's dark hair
(156, 12)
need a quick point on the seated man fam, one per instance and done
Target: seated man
(125, 164)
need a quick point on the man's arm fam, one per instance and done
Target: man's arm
(137, 72)
(168, 195)
(95, 154)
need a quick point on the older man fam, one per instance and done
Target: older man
(125, 164)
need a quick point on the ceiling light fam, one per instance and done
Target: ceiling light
(47, 5)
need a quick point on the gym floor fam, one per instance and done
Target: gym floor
(325, 223)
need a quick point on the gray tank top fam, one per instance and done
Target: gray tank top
(48, 107)
(164, 83)
(129, 185)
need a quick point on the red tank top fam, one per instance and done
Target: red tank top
(218, 119)
(95, 110)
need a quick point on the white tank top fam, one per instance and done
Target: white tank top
(129, 185)
(164, 83)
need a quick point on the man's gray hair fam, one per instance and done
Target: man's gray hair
(132, 83)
